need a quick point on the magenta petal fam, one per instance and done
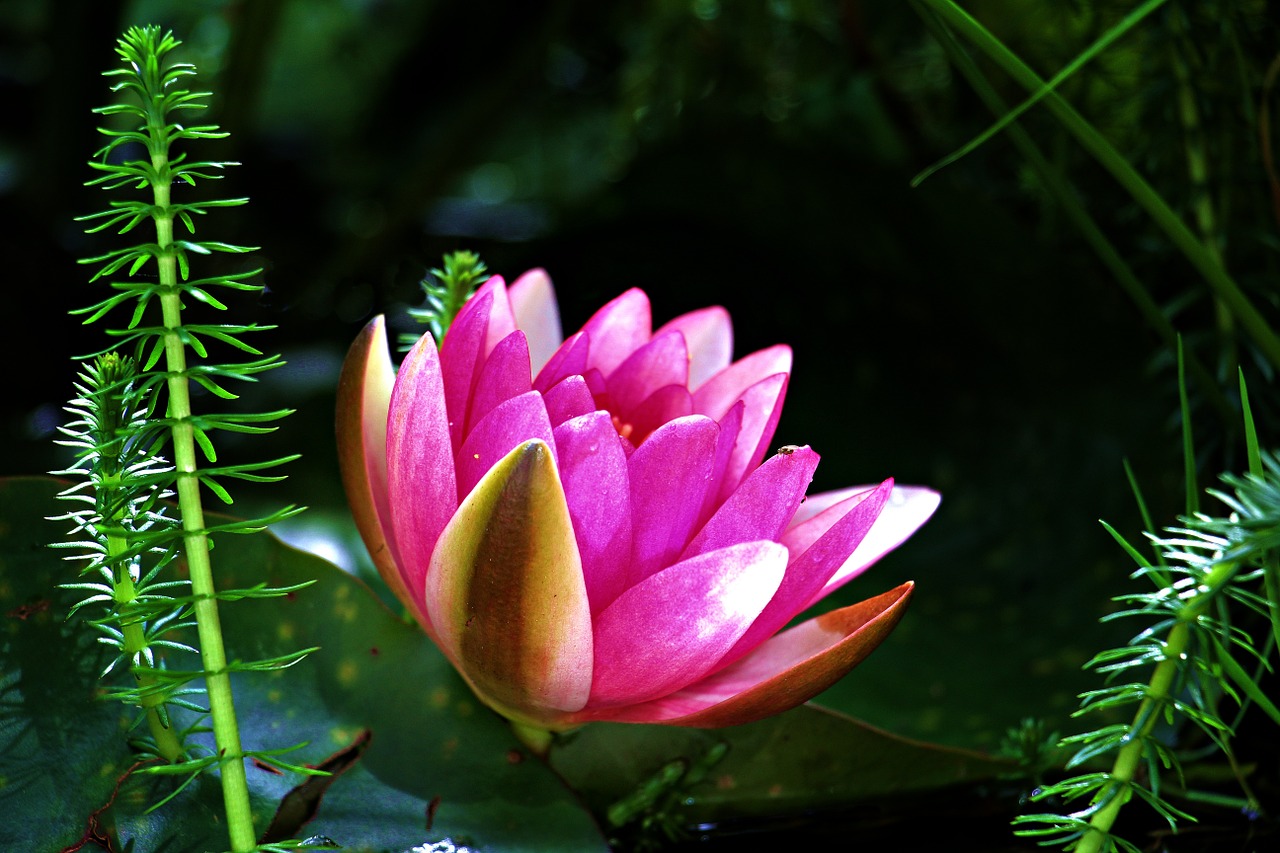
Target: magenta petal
(596, 384)
(505, 374)
(502, 320)
(668, 475)
(728, 386)
(569, 360)
(906, 509)
(664, 405)
(593, 468)
(533, 301)
(809, 571)
(730, 426)
(762, 506)
(506, 427)
(461, 357)
(420, 474)
(568, 399)
(617, 330)
(662, 362)
(708, 333)
(673, 627)
(785, 671)
(761, 410)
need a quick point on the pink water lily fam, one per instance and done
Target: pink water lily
(588, 528)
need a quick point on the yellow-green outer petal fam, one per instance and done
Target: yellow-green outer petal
(506, 594)
(364, 395)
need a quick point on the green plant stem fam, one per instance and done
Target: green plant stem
(1129, 759)
(1198, 174)
(1142, 192)
(168, 745)
(1069, 202)
(536, 739)
(226, 733)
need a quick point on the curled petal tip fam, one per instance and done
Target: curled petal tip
(800, 663)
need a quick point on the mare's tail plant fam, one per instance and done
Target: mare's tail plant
(446, 290)
(1216, 583)
(139, 442)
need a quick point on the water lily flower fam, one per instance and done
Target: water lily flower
(588, 527)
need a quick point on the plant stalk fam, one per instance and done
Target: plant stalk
(1198, 175)
(168, 746)
(1129, 759)
(1200, 256)
(1070, 204)
(226, 733)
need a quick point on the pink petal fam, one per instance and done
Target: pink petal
(728, 386)
(505, 374)
(569, 360)
(462, 356)
(502, 320)
(506, 593)
(730, 426)
(761, 507)
(664, 405)
(533, 302)
(673, 627)
(568, 399)
(907, 508)
(364, 397)
(760, 382)
(596, 384)
(617, 330)
(483, 322)
(668, 475)
(709, 335)
(509, 425)
(808, 571)
(784, 672)
(593, 468)
(762, 406)
(661, 362)
(833, 506)
(421, 485)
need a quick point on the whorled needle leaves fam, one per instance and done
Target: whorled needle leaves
(136, 434)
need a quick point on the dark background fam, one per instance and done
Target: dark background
(754, 155)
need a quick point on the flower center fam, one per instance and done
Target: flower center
(624, 429)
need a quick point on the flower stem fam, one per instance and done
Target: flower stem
(1130, 756)
(226, 733)
(168, 745)
(537, 740)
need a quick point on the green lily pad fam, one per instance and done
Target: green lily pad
(431, 764)
(415, 757)
(798, 763)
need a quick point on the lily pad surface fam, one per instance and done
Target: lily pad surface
(417, 759)
(413, 758)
